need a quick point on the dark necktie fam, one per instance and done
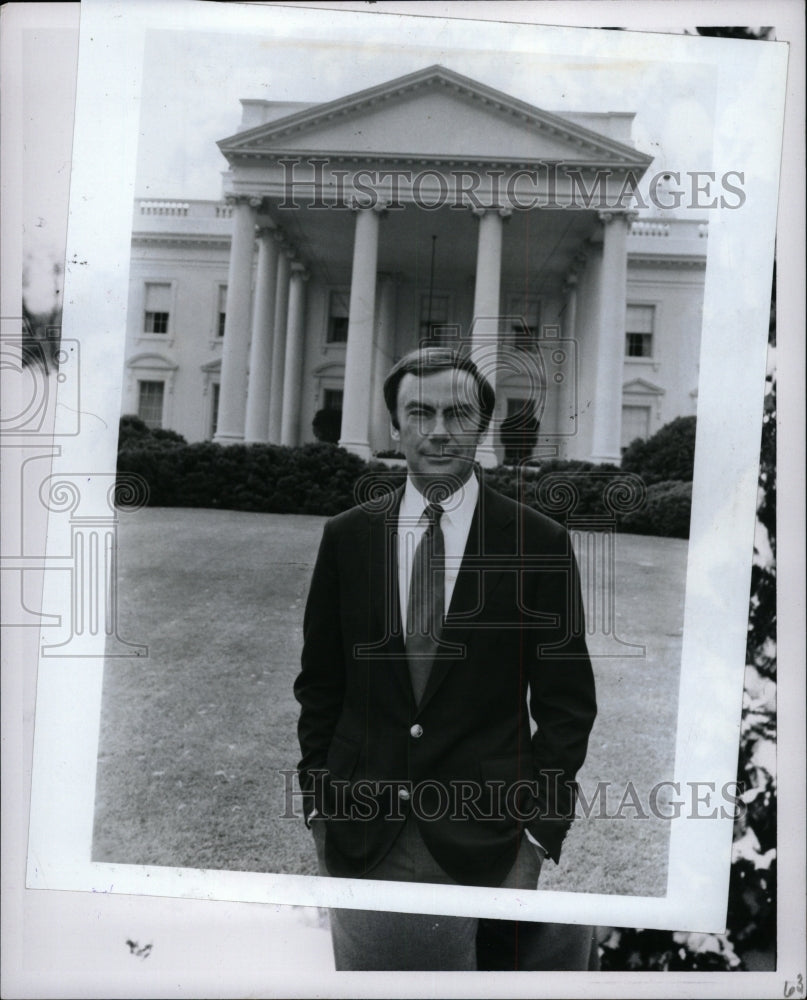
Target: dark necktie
(424, 612)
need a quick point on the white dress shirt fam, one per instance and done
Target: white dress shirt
(458, 512)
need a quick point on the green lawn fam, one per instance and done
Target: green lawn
(194, 735)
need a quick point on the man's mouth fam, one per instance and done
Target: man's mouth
(444, 456)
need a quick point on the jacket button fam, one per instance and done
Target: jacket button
(404, 794)
(416, 731)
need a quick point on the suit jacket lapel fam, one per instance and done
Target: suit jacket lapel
(386, 644)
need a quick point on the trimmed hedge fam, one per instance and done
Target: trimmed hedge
(313, 479)
(324, 479)
(575, 488)
(135, 433)
(665, 512)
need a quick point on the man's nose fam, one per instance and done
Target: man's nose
(439, 429)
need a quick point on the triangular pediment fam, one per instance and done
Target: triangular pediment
(641, 387)
(432, 114)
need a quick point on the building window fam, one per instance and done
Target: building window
(523, 321)
(215, 391)
(519, 430)
(639, 334)
(332, 399)
(156, 321)
(221, 317)
(338, 312)
(434, 313)
(327, 424)
(158, 307)
(150, 403)
(635, 424)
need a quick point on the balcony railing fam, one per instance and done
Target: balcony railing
(183, 209)
(669, 229)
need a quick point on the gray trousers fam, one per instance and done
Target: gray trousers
(380, 940)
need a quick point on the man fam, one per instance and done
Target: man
(440, 619)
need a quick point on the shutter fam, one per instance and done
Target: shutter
(639, 319)
(158, 298)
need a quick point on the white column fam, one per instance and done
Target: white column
(232, 394)
(279, 349)
(606, 412)
(487, 291)
(382, 362)
(260, 358)
(293, 373)
(358, 356)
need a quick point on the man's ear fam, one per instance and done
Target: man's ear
(395, 434)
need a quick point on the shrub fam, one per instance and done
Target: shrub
(135, 433)
(312, 479)
(327, 426)
(559, 488)
(668, 454)
(518, 434)
(131, 429)
(379, 477)
(665, 512)
(324, 479)
(166, 438)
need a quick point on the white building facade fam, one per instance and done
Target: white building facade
(431, 209)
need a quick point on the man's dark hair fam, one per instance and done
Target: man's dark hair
(427, 361)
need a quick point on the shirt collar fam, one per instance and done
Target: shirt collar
(458, 507)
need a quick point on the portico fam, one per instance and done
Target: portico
(429, 208)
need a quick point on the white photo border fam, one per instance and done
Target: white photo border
(718, 581)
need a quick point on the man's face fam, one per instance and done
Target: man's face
(438, 417)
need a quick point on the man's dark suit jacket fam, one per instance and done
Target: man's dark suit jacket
(515, 622)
